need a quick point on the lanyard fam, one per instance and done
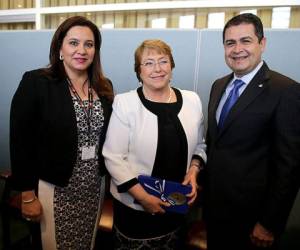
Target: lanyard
(87, 111)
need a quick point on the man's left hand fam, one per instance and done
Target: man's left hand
(261, 237)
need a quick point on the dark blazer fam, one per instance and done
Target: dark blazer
(43, 131)
(253, 162)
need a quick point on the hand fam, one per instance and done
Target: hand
(191, 178)
(153, 204)
(150, 203)
(261, 237)
(31, 211)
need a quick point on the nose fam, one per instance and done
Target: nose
(81, 49)
(238, 48)
(157, 67)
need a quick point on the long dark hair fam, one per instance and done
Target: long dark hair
(100, 83)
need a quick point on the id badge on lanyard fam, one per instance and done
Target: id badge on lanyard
(89, 151)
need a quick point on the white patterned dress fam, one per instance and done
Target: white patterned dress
(71, 213)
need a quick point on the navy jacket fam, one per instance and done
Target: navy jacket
(253, 162)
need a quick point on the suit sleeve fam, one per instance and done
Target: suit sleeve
(209, 125)
(23, 129)
(285, 181)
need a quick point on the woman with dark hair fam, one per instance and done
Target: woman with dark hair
(58, 122)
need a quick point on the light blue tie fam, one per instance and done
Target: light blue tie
(230, 101)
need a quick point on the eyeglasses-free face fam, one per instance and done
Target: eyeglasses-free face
(78, 50)
(156, 70)
(243, 50)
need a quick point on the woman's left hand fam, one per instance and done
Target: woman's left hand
(191, 178)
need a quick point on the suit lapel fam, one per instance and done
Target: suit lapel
(253, 90)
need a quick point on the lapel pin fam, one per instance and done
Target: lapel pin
(260, 85)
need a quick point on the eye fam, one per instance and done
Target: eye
(89, 45)
(148, 64)
(73, 43)
(229, 43)
(247, 41)
(163, 62)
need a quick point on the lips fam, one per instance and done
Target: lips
(158, 77)
(80, 60)
(239, 58)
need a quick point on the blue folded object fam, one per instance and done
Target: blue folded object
(170, 191)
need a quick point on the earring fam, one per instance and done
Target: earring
(61, 57)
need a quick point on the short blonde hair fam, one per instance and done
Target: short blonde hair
(151, 44)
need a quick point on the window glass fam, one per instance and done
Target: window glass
(281, 17)
(187, 22)
(159, 23)
(216, 20)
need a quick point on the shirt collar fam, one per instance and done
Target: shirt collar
(248, 77)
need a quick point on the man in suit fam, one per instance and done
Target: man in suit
(253, 145)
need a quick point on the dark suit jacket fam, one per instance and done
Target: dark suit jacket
(43, 131)
(253, 162)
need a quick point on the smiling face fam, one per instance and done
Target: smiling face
(155, 70)
(78, 50)
(243, 50)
